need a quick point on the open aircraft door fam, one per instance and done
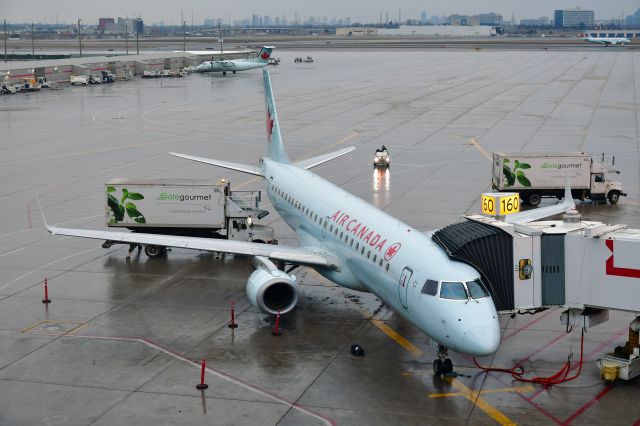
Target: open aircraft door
(403, 286)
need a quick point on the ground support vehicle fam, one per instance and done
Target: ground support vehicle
(536, 175)
(190, 208)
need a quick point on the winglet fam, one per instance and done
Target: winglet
(568, 197)
(44, 220)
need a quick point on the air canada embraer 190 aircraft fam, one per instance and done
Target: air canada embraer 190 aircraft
(608, 41)
(234, 65)
(355, 245)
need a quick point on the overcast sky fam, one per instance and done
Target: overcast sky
(358, 10)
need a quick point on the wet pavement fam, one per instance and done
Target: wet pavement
(121, 341)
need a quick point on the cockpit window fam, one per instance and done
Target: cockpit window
(453, 290)
(430, 288)
(476, 289)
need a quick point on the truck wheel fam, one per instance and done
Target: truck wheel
(614, 196)
(534, 199)
(258, 241)
(154, 252)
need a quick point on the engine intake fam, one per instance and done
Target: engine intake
(272, 290)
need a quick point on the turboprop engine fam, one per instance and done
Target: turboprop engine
(270, 289)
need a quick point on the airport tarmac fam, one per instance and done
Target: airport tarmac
(121, 341)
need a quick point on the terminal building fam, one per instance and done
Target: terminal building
(574, 18)
(419, 31)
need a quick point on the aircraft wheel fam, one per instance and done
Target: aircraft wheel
(234, 72)
(438, 367)
(153, 252)
(448, 366)
(224, 73)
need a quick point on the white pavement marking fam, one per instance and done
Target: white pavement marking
(45, 265)
(11, 252)
(54, 224)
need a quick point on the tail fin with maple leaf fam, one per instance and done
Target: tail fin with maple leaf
(275, 147)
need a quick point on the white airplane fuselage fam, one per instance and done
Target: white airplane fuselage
(364, 240)
(608, 41)
(229, 66)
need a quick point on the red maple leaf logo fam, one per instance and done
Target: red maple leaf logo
(269, 125)
(264, 55)
(391, 251)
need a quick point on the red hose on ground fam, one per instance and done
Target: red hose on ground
(517, 372)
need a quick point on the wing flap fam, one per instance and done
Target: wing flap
(245, 168)
(297, 255)
(320, 159)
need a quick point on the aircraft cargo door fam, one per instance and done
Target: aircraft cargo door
(552, 270)
(403, 286)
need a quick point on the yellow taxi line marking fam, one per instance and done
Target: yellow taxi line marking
(396, 337)
(31, 327)
(480, 402)
(484, 153)
(520, 389)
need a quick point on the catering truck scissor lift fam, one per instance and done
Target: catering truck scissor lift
(190, 208)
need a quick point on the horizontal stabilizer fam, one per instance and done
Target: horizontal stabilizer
(316, 161)
(252, 170)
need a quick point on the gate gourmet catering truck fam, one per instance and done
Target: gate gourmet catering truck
(191, 208)
(536, 175)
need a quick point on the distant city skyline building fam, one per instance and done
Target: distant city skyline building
(423, 17)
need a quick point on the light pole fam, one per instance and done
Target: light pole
(126, 36)
(138, 37)
(33, 44)
(80, 37)
(5, 41)
(184, 36)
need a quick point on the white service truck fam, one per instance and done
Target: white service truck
(191, 208)
(536, 175)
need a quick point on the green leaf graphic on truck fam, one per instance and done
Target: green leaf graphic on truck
(516, 174)
(121, 207)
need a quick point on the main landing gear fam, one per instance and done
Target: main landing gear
(442, 364)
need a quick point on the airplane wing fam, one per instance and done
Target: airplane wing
(542, 212)
(252, 170)
(316, 161)
(295, 255)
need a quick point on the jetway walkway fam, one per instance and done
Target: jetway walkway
(586, 267)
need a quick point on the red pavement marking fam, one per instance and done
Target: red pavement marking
(587, 357)
(589, 404)
(529, 324)
(217, 372)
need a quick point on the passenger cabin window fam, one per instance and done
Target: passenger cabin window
(430, 288)
(476, 289)
(453, 290)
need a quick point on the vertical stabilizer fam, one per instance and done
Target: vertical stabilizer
(264, 54)
(275, 147)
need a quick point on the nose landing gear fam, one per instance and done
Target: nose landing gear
(442, 364)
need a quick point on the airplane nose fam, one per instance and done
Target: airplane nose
(482, 340)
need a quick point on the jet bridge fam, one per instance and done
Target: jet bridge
(586, 267)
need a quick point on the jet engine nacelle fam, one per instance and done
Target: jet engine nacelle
(270, 289)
